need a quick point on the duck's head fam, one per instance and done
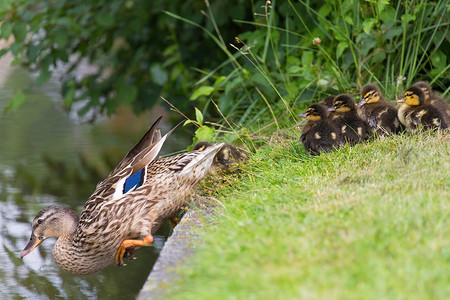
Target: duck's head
(343, 103)
(52, 221)
(425, 87)
(315, 112)
(327, 101)
(413, 96)
(370, 93)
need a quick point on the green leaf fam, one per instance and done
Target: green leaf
(44, 76)
(367, 25)
(32, 52)
(294, 69)
(16, 48)
(105, 19)
(3, 51)
(348, 19)
(392, 33)
(219, 80)
(60, 37)
(15, 102)
(307, 58)
(439, 60)
(388, 14)
(202, 91)
(341, 48)
(324, 10)
(69, 96)
(198, 116)
(6, 30)
(126, 93)
(20, 31)
(205, 134)
(406, 18)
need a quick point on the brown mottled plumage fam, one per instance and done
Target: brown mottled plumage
(417, 112)
(328, 102)
(117, 217)
(433, 99)
(319, 134)
(227, 158)
(353, 128)
(379, 114)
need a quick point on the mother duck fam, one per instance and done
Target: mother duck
(126, 209)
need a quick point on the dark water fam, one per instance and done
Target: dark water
(36, 130)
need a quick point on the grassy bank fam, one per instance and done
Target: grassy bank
(366, 222)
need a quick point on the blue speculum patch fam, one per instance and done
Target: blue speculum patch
(134, 181)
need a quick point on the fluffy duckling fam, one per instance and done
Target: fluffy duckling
(416, 111)
(435, 100)
(227, 157)
(379, 114)
(328, 102)
(319, 134)
(353, 128)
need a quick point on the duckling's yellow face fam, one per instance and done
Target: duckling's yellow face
(411, 98)
(341, 106)
(371, 97)
(312, 114)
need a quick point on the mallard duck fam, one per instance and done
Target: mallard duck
(379, 114)
(435, 100)
(319, 134)
(415, 111)
(126, 208)
(353, 128)
(227, 157)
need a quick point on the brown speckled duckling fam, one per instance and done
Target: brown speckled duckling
(328, 102)
(353, 128)
(417, 112)
(379, 114)
(435, 100)
(227, 157)
(319, 134)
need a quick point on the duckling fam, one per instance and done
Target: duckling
(416, 111)
(435, 100)
(319, 134)
(328, 102)
(353, 128)
(227, 157)
(379, 114)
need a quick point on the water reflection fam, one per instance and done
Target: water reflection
(38, 129)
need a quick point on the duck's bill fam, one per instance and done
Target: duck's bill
(401, 100)
(331, 108)
(303, 115)
(33, 243)
(362, 102)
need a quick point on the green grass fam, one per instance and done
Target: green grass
(363, 222)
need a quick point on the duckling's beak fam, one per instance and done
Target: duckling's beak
(401, 100)
(362, 102)
(303, 115)
(332, 108)
(33, 243)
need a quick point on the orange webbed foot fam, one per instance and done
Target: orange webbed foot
(131, 244)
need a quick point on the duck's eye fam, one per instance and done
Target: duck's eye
(40, 221)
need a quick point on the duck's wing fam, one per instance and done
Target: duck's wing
(130, 173)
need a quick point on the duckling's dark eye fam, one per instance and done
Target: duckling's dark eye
(40, 221)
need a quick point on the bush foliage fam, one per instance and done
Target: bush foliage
(285, 52)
